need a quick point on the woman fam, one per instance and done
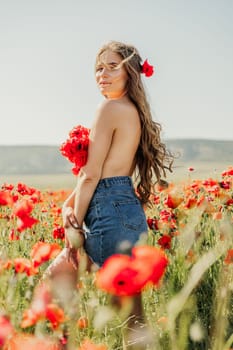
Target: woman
(124, 141)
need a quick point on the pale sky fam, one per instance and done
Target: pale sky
(47, 55)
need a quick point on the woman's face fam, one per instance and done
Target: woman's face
(111, 76)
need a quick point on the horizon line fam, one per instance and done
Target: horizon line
(166, 139)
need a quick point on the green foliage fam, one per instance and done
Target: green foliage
(191, 309)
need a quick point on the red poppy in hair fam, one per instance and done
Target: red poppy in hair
(147, 69)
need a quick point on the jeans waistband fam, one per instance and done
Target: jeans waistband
(116, 180)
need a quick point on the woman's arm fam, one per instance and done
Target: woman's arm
(69, 202)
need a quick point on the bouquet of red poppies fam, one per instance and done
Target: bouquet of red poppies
(75, 148)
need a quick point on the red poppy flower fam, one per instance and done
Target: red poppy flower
(55, 315)
(35, 197)
(151, 261)
(80, 132)
(59, 232)
(5, 265)
(172, 201)
(191, 202)
(116, 276)
(152, 223)
(229, 202)
(166, 215)
(23, 265)
(75, 148)
(6, 198)
(25, 222)
(42, 308)
(214, 190)
(22, 210)
(147, 69)
(63, 340)
(6, 186)
(124, 275)
(225, 184)
(51, 312)
(210, 182)
(6, 329)
(15, 198)
(228, 172)
(195, 186)
(42, 252)
(24, 189)
(155, 199)
(229, 257)
(82, 322)
(165, 242)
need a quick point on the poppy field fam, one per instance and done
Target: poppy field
(182, 271)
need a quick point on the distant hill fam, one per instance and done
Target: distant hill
(32, 160)
(36, 159)
(202, 150)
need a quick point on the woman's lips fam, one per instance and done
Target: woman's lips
(104, 83)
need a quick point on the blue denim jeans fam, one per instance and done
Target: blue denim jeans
(114, 216)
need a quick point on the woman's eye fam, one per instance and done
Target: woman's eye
(112, 67)
(108, 67)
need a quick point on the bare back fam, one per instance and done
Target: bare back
(120, 159)
(113, 140)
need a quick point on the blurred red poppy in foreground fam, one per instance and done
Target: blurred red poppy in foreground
(25, 222)
(30, 342)
(124, 275)
(42, 252)
(42, 307)
(23, 265)
(229, 257)
(5, 198)
(22, 210)
(6, 329)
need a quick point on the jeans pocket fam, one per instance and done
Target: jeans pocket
(131, 214)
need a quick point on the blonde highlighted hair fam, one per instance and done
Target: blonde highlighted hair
(152, 159)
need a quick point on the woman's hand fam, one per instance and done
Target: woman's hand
(68, 217)
(74, 235)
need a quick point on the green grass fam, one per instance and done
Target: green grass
(192, 309)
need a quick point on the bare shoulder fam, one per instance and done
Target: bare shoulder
(112, 109)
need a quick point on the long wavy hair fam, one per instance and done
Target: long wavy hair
(152, 159)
